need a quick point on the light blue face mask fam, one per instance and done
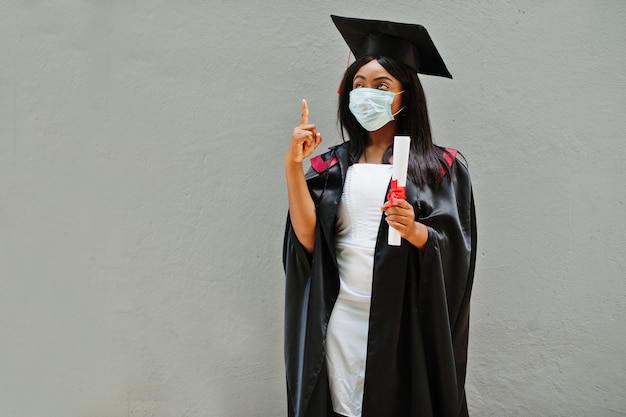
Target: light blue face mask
(372, 107)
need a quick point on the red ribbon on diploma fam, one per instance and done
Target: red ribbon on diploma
(396, 193)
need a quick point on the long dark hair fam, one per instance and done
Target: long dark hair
(425, 162)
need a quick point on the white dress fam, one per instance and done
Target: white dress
(358, 220)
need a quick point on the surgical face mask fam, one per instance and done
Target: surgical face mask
(372, 107)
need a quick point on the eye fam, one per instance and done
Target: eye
(382, 86)
(357, 85)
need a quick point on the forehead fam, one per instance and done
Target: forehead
(373, 70)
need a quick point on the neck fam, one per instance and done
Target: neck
(378, 142)
(383, 136)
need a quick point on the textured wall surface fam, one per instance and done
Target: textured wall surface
(142, 197)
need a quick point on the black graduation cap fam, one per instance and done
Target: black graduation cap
(407, 43)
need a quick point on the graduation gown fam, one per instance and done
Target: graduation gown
(419, 314)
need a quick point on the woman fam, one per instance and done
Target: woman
(373, 329)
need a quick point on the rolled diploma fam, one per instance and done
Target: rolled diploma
(401, 146)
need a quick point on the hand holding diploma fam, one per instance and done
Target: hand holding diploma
(400, 214)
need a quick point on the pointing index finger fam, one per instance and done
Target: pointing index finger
(304, 119)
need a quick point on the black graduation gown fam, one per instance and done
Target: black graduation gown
(419, 314)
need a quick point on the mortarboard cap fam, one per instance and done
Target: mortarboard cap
(407, 43)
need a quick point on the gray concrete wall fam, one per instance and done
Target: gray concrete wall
(142, 197)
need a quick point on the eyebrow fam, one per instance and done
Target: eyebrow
(382, 77)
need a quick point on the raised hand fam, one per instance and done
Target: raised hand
(304, 138)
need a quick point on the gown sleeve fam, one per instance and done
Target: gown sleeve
(447, 266)
(297, 264)
(311, 285)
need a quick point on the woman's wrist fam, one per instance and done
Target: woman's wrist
(419, 235)
(290, 164)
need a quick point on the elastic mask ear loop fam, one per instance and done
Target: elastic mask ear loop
(401, 108)
(396, 113)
